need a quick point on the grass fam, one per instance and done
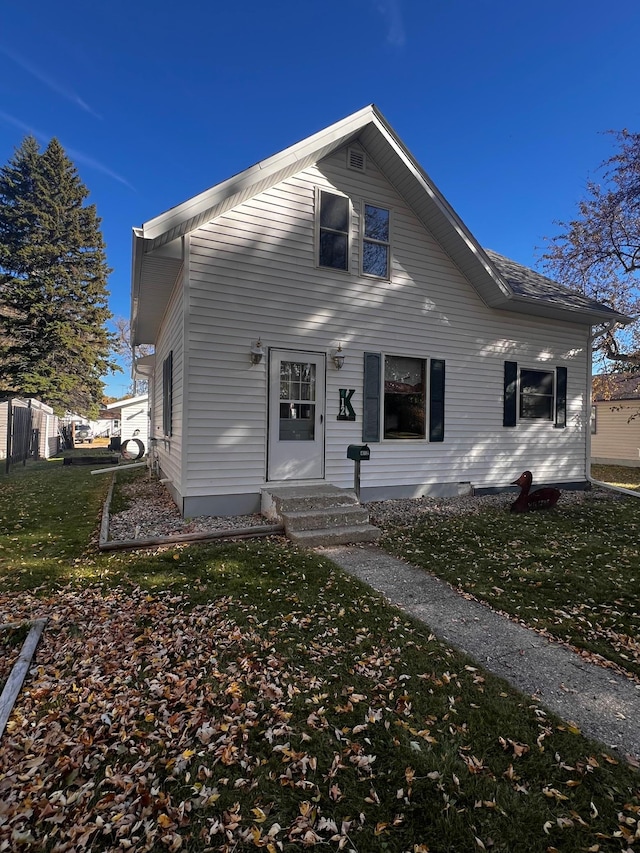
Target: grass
(617, 475)
(573, 572)
(251, 696)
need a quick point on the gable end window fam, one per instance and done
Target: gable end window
(333, 240)
(167, 395)
(375, 241)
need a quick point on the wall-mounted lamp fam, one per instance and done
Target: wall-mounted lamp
(338, 357)
(257, 352)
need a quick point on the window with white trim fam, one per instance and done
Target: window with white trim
(537, 394)
(334, 225)
(375, 241)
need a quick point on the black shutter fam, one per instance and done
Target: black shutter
(371, 408)
(167, 394)
(561, 397)
(510, 393)
(436, 400)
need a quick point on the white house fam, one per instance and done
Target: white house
(330, 296)
(134, 418)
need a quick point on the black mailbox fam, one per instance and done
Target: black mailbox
(358, 452)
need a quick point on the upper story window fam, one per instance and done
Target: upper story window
(536, 394)
(334, 231)
(375, 241)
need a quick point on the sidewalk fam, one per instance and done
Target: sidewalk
(605, 705)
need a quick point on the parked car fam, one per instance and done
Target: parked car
(83, 433)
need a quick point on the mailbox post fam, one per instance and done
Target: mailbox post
(357, 452)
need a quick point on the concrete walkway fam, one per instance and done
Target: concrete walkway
(605, 705)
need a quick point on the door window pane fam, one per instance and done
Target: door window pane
(297, 401)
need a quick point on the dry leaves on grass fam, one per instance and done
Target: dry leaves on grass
(147, 723)
(133, 700)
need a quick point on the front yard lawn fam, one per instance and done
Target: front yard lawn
(573, 572)
(245, 696)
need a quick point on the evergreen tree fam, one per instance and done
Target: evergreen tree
(53, 273)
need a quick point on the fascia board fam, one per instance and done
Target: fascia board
(128, 401)
(543, 308)
(137, 256)
(177, 219)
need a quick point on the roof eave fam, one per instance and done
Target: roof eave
(543, 308)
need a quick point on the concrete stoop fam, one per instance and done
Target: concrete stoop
(318, 515)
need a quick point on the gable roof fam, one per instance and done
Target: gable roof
(157, 244)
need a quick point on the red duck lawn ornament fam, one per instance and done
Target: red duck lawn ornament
(544, 498)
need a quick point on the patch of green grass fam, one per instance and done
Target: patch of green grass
(617, 475)
(573, 572)
(12, 638)
(237, 696)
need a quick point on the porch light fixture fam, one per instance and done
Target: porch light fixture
(257, 352)
(338, 357)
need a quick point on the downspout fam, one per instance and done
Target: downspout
(618, 489)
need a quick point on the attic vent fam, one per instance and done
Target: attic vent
(356, 159)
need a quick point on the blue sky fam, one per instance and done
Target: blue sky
(504, 104)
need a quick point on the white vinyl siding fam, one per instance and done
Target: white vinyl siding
(169, 448)
(135, 421)
(253, 273)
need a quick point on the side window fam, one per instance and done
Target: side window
(536, 394)
(594, 420)
(375, 241)
(167, 395)
(334, 223)
(404, 397)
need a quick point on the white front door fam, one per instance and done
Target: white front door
(296, 415)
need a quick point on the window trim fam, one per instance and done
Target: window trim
(319, 229)
(513, 394)
(363, 239)
(553, 396)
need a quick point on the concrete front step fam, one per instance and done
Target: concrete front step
(318, 514)
(281, 499)
(325, 517)
(335, 536)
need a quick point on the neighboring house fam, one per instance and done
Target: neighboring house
(29, 428)
(615, 419)
(134, 418)
(106, 424)
(457, 366)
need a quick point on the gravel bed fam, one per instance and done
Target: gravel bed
(153, 513)
(398, 512)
